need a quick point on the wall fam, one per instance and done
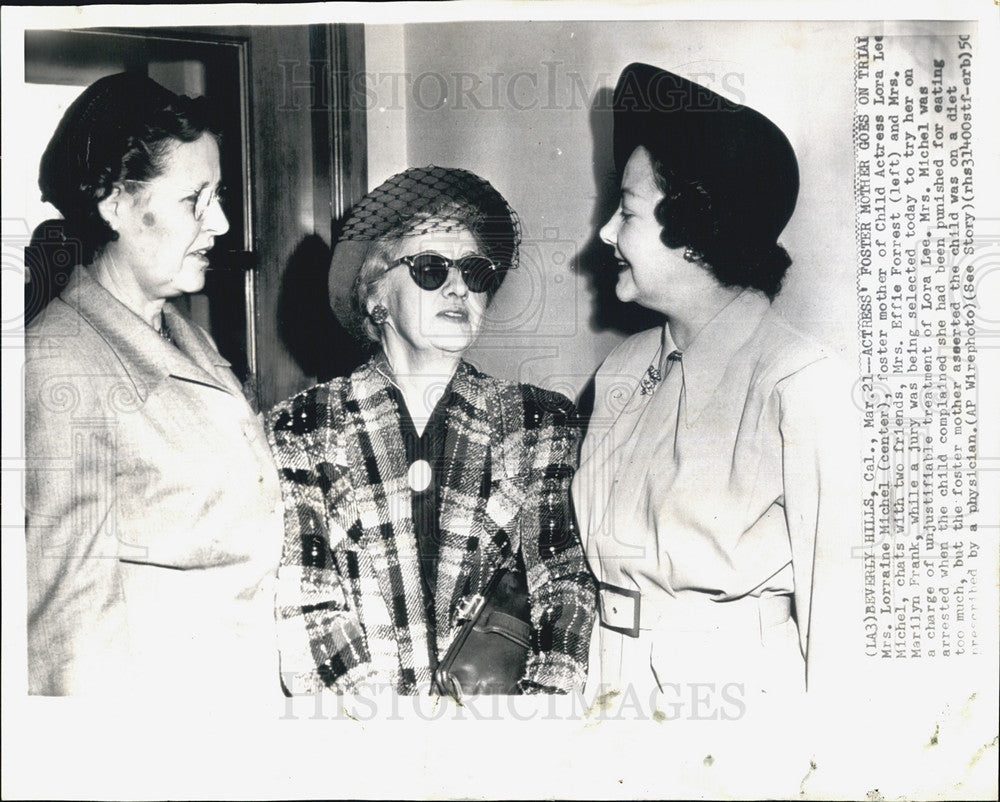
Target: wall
(385, 58)
(515, 102)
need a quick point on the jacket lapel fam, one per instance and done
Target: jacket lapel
(382, 498)
(204, 364)
(145, 356)
(474, 542)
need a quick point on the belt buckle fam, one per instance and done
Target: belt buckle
(634, 596)
(469, 607)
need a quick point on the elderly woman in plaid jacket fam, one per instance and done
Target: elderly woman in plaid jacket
(408, 483)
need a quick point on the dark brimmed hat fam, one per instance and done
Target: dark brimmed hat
(738, 156)
(415, 201)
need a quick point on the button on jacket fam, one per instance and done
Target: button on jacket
(153, 517)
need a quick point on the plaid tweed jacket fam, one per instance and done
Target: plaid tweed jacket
(349, 604)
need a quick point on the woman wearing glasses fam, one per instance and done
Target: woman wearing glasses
(410, 482)
(153, 505)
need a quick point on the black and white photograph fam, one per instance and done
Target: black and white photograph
(501, 400)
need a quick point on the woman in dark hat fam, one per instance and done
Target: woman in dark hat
(706, 487)
(410, 482)
(153, 506)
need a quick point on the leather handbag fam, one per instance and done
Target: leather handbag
(489, 653)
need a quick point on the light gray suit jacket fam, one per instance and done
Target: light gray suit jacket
(153, 510)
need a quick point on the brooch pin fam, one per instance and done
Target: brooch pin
(648, 382)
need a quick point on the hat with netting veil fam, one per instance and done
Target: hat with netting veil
(414, 202)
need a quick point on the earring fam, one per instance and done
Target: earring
(379, 314)
(690, 255)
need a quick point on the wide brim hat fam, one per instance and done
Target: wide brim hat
(412, 202)
(741, 159)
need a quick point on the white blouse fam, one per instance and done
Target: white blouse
(720, 483)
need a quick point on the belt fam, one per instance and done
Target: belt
(627, 611)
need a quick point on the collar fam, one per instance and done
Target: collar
(375, 376)
(707, 358)
(145, 356)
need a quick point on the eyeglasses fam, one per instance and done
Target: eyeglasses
(200, 199)
(429, 271)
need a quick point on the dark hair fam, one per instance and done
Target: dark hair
(122, 127)
(691, 221)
